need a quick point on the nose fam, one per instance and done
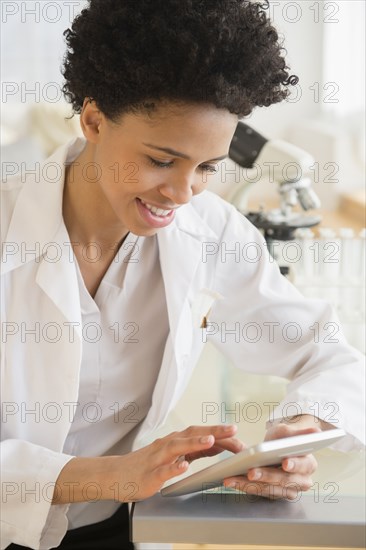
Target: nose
(178, 191)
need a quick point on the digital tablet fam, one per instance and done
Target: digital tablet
(268, 453)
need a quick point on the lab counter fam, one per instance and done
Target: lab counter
(228, 518)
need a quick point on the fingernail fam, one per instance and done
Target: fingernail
(232, 485)
(229, 428)
(206, 439)
(290, 465)
(257, 474)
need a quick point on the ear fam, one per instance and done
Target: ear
(91, 119)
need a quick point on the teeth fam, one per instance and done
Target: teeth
(156, 211)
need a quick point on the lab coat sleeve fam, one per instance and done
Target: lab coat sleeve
(28, 474)
(276, 331)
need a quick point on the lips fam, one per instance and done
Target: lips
(156, 210)
(154, 219)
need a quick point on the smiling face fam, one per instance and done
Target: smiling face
(148, 166)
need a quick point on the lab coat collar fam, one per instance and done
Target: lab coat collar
(188, 220)
(41, 199)
(38, 210)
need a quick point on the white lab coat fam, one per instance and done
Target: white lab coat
(40, 371)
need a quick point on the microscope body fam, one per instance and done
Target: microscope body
(286, 166)
(282, 163)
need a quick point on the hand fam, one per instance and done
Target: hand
(150, 467)
(139, 475)
(286, 481)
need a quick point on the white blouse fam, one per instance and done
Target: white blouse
(125, 328)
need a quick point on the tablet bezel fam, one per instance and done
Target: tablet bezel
(267, 453)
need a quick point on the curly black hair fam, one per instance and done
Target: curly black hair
(129, 54)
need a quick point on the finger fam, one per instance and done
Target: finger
(289, 491)
(171, 449)
(218, 431)
(288, 430)
(301, 465)
(276, 476)
(232, 444)
(167, 471)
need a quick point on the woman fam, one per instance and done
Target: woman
(111, 267)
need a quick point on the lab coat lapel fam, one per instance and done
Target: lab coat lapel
(180, 251)
(59, 281)
(175, 246)
(38, 211)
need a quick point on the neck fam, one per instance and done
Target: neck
(87, 214)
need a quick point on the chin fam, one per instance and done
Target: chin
(148, 233)
(143, 232)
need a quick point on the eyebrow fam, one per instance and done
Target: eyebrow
(177, 153)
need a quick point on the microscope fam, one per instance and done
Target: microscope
(286, 165)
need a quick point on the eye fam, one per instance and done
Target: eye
(209, 168)
(204, 167)
(160, 164)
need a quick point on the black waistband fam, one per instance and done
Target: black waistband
(110, 534)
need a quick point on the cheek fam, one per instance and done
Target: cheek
(138, 179)
(115, 177)
(105, 166)
(125, 181)
(201, 183)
